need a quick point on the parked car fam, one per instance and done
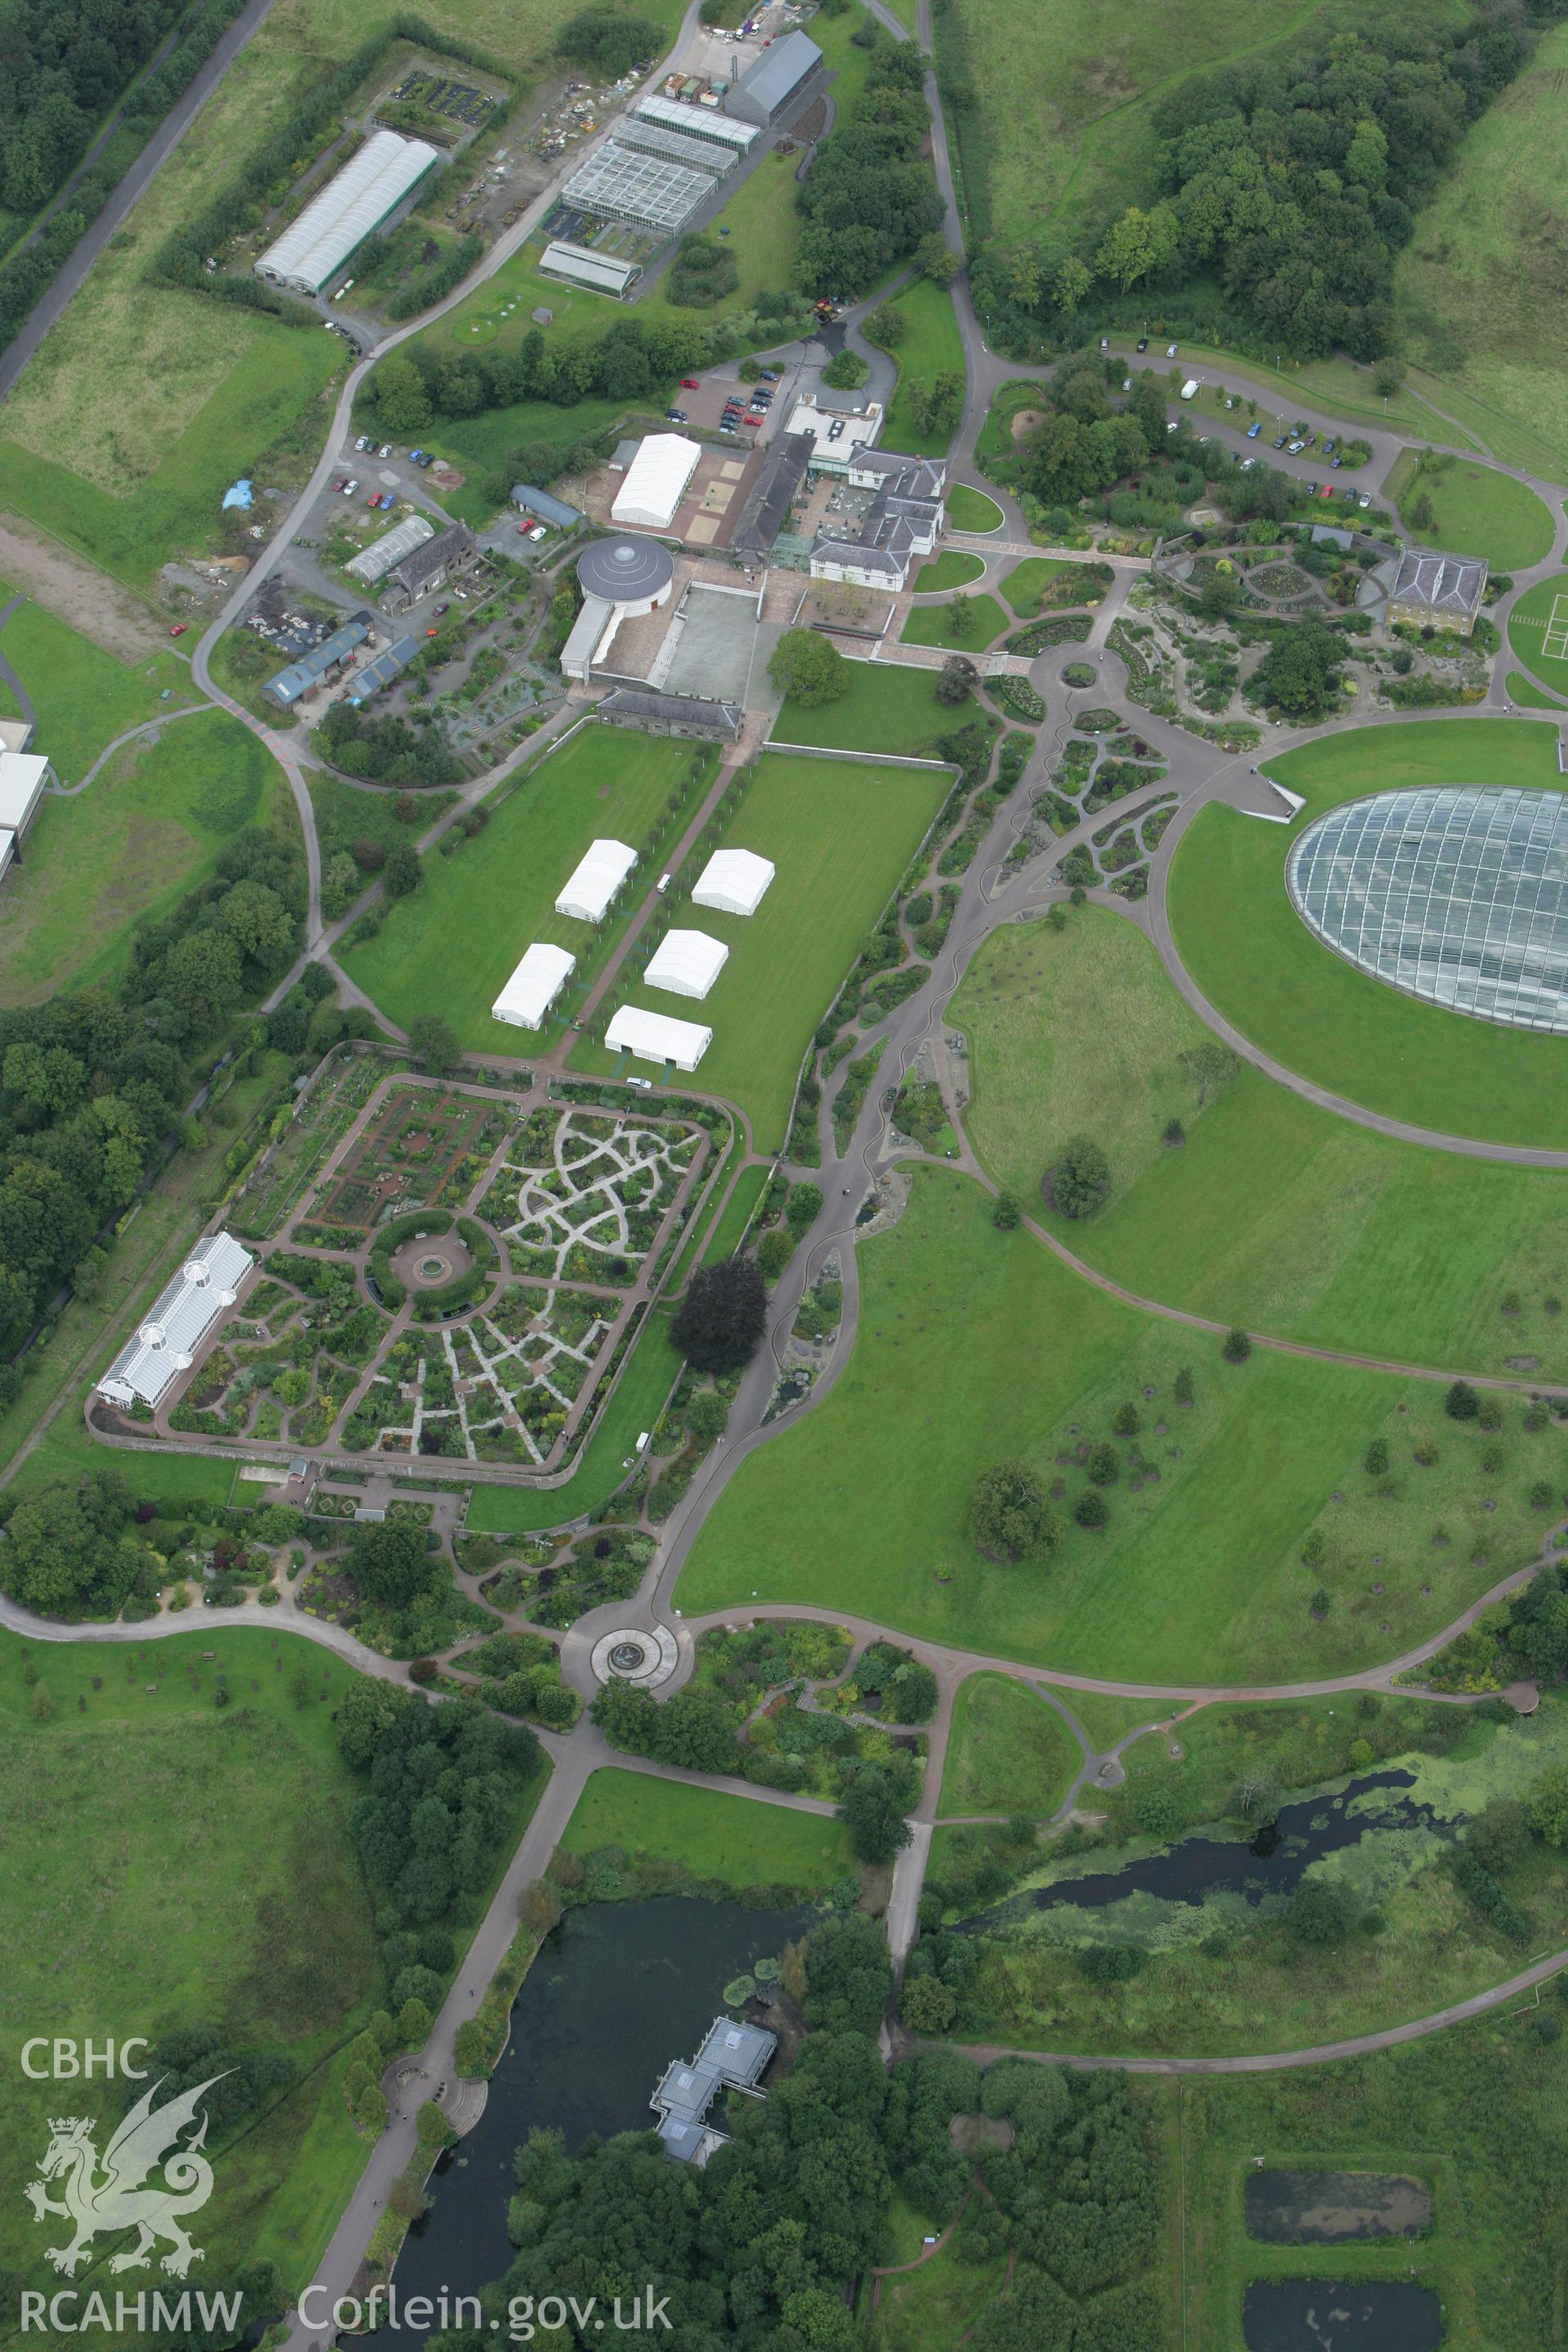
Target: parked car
(729, 430)
(1126, 383)
(1105, 342)
(1311, 490)
(689, 384)
(349, 490)
(1142, 343)
(1328, 447)
(363, 441)
(750, 417)
(644, 1085)
(1364, 500)
(374, 500)
(338, 482)
(416, 456)
(1336, 463)
(1170, 351)
(179, 628)
(1253, 431)
(675, 416)
(386, 450)
(538, 532)
(1279, 441)
(773, 375)
(1247, 464)
(443, 607)
(427, 457)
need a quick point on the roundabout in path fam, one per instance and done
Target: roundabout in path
(630, 1654)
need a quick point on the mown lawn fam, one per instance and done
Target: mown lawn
(1476, 510)
(1273, 1213)
(839, 835)
(969, 509)
(934, 625)
(930, 347)
(975, 1347)
(145, 831)
(1009, 1750)
(1527, 626)
(951, 568)
(449, 945)
(142, 1898)
(714, 1835)
(1028, 582)
(888, 708)
(1257, 962)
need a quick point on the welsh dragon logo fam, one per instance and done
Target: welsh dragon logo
(112, 2196)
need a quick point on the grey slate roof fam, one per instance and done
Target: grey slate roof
(737, 2053)
(384, 668)
(1444, 583)
(779, 71)
(289, 684)
(686, 710)
(772, 495)
(535, 501)
(446, 548)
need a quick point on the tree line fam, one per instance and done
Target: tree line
(1284, 187)
(869, 198)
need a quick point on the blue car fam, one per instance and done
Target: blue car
(1253, 431)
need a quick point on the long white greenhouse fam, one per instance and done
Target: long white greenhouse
(353, 203)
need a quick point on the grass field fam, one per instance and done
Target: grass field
(887, 708)
(645, 1381)
(930, 347)
(974, 1348)
(1009, 1751)
(940, 574)
(1528, 696)
(149, 1903)
(497, 894)
(1257, 962)
(738, 1839)
(1476, 2113)
(147, 828)
(730, 1225)
(84, 696)
(839, 835)
(1536, 621)
(932, 625)
(1028, 582)
(969, 510)
(1476, 510)
(1274, 1214)
(933, 2307)
(1477, 289)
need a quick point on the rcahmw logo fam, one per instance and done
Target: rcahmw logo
(151, 2178)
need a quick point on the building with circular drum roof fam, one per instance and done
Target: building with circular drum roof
(1456, 893)
(630, 572)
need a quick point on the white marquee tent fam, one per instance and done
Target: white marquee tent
(533, 986)
(602, 869)
(655, 1037)
(733, 881)
(687, 963)
(655, 481)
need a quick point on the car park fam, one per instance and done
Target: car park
(1253, 431)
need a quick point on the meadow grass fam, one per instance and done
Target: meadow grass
(1477, 288)
(969, 509)
(449, 945)
(710, 1832)
(954, 567)
(83, 695)
(1476, 510)
(1009, 1751)
(886, 707)
(1273, 1213)
(839, 835)
(649, 1373)
(932, 625)
(1527, 626)
(145, 831)
(149, 1901)
(931, 346)
(1257, 962)
(974, 1348)
(933, 2307)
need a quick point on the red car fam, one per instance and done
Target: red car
(179, 628)
(750, 417)
(689, 384)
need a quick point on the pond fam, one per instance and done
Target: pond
(1271, 1865)
(617, 1991)
(1325, 2208)
(1328, 2316)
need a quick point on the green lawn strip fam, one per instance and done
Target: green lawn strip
(954, 567)
(930, 347)
(1529, 624)
(84, 696)
(888, 708)
(1009, 1750)
(1259, 1991)
(496, 894)
(82, 1342)
(718, 1185)
(1273, 1213)
(1468, 2112)
(1025, 584)
(969, 509)
(646, 1377)
(738, 1839)
(934, 625)
(839, 835)
(730, 1230)
(975, 1347)
(146, 830)
(1476, 510)
(1257, 962)
(1528, 695)
(117, 1807)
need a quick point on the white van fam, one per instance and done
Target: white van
(1189, 389)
